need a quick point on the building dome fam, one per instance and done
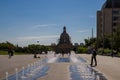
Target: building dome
(111, 4)
(64, 45)
(64, 37)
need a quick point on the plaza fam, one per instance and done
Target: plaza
(57, 40)
(107, 66)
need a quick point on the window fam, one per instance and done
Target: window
(114, 29)
(114, 24)
(115, 18)
(116, 12)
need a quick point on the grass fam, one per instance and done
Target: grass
(3, 52)
(15, 53)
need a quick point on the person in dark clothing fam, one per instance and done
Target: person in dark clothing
(93, 58)
(35, 55)
(10, 53)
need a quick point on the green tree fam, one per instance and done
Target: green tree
(91, 41)
(6, 45)
(32, 48)
(116, 40)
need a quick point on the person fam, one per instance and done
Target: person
(10, 53)
(93, 58)
(35, 55)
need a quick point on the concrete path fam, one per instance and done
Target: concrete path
(109, 66)
(17, 61)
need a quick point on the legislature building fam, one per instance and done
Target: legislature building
(64, 44)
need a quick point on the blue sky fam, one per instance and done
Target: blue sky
(25, 22)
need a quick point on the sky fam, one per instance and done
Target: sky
(26, 22)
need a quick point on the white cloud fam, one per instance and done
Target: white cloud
(45, 40)
(44, 25)
(83, 31)
(39, 38)
(91, 16)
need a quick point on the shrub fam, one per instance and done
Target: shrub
(82, 50)
(107, 51)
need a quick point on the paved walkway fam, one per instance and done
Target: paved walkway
(59, 71)
(17, 61)
(109, 66)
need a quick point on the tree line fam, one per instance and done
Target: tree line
(32, 48)
(104, 43)
(107, 43)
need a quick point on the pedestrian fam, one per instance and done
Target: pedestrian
(10, 53)
(93, 58)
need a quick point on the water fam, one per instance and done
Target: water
(78, 71)
(16, 72)
(6, 75)
(34, 70)
(83, 71)
(63, 60)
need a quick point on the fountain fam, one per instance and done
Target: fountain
(23, 73)
(52, 57)
(6, 75)
(31, 72)
(16, 72)
(34, 70)
(80, 71)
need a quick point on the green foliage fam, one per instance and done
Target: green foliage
(89, 42)
(106, 42)
(116, 40)
(82, 50)
(107, 51)
(6, 45)
(6, 53)
(3, 52)
(119, 54)
(38, 48)
(100, 50)
(33, 48)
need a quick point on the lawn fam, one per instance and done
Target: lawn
(6, 53)
(3, 52)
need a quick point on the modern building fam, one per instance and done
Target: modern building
(76, 44)
(108, 18)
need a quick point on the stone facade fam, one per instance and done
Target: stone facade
(108, 18)
(64, 45)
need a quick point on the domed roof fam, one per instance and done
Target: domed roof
(111, 4)
(64, 35)
(64, 45)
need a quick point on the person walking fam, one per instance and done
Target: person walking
(10, 53)
(93, 58)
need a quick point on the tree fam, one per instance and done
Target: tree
(6, 45)
(116, 40)
(32, 48)
(89, 42)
